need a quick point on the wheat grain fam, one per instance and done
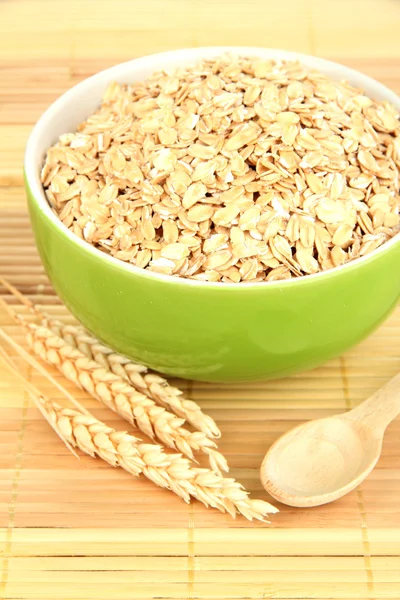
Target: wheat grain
(117, 394)
(79, 429)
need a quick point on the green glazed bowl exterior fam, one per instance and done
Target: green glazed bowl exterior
(215, 332)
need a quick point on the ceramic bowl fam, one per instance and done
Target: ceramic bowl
(206, 331)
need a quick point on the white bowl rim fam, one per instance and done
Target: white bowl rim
(152, 63)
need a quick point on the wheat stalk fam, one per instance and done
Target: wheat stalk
(118, 395)
(79, 429)
(30, 388)
(147, 382)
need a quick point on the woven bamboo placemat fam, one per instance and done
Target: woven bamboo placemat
(74, 529)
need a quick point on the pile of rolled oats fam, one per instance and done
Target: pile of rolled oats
(234, 169)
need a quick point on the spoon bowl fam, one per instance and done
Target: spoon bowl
(320, 461)
(323, 460)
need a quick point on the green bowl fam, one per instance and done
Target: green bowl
(206, 331)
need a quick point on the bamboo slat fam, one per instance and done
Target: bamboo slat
(80, 530)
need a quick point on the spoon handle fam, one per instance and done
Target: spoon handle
(381, 408)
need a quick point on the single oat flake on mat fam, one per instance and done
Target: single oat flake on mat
(231, 170)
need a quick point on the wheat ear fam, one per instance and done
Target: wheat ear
(171, 471)
(145, 381)
(148, 383)
(80, 429)
(118, 395)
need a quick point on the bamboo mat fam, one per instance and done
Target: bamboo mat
(74, 529)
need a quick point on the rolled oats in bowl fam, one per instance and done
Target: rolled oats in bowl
(233, 169)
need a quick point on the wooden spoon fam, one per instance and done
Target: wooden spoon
(323, 460)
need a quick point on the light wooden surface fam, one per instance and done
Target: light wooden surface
(80, 530)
